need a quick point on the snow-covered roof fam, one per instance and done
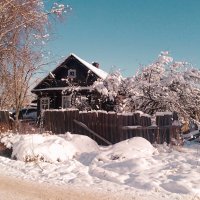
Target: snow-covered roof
(99, 72)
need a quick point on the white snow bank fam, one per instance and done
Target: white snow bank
(83, 143)
(8, 139)
(45, 148)
(86, 148)
(52, 148)
(134, 165)
(127, 149)
(117, 163)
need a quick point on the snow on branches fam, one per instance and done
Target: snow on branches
(109, 87)
(164, 85)
(167, 85)
(60, 9)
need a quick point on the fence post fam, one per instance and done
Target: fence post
(4, 121)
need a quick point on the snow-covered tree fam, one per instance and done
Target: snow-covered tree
(110, 87)
(164, 85)
(167, 85)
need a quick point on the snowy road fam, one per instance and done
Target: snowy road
(16, 189)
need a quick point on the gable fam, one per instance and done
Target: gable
(73, 71)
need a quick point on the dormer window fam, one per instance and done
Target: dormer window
(72, 73)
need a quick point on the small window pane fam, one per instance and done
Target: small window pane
(72, 73)
(66, 101)
(44, 103)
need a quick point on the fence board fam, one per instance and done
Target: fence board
(102, 125)
(4, 121)
(110, 125)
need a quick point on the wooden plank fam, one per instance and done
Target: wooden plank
(92, 123)
(70, 116)
(94, 120)
(106, 126)
(83, 119)
(46, 121)
(94, 116)
(92, 132)
(66, 114)
(137, 118)
(56, 122)
(112, 126)
(4, 121)
(54, 126)
(101, 126)
(119, 136)
(61, 122)
(75, 116)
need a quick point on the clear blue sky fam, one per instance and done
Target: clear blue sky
(128, 33)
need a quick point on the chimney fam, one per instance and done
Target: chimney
(96, 64)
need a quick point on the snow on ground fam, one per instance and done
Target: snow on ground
(132, 166)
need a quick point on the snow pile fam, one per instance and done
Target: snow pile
(39, 147)
(122, 159)
(60, 148)
(82, 143)
(51, 148)
(8, 139)
(132, 166)
(128, 149)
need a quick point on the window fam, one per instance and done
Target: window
(72, 73)
(66, 101)
(44, 103)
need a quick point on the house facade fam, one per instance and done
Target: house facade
(70, 85)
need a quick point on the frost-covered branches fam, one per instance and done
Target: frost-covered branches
(60, 9)
(167, 85)
(164, 85)
(110, 87)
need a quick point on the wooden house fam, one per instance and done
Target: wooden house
(70, 85)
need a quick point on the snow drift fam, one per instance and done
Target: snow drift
(52, 148)
(132, 166)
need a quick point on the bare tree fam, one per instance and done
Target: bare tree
(24, 26)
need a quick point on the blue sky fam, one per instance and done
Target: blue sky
(124, 34)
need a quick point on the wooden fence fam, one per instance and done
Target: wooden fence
(4, 121)
(110, 127)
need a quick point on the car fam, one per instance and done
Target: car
(26, 114)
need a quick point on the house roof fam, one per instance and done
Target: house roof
(100, 73)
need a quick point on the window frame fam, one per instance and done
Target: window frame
(72, 76)
(46, 103)
(66, 100)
